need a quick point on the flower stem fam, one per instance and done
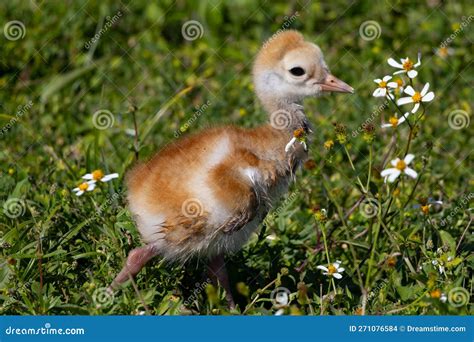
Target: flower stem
(323, 231)
(410, 137)
(136, 144)
(364, 191)
(347, 232)
(374, 246)
(400, 110)
(370, 167)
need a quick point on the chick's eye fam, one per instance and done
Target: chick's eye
(297, 71)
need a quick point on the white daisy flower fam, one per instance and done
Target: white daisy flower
(398, 90)
(394, 121)
(406, 66)
(279, 312)
(383, 83)
(399, 166)
(439, 264)
(298, 135)
(281, 300)
(333, 270)
(83, 187)
(416, 97)
(443, 298)
(98, 175)
(130, 131)
(292, 142)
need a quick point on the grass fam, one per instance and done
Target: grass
(131, 62)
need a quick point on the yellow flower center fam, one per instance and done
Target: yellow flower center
(328, 144)
(425, 209)
(392, 261)
(298, 133)
(408, 65)
(443, 51)
(401, 165)
(435, 294)
(332, 269)
(399, 82)
(383, 84)
(97, 175)
(320, 216)
(416, 97)
(394, 121)
(83, 186)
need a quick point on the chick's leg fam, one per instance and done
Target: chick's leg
(137, 258)
(218, 271)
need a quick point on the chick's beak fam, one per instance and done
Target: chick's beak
(333, 84)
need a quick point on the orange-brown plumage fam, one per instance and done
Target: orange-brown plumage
(204, 195)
